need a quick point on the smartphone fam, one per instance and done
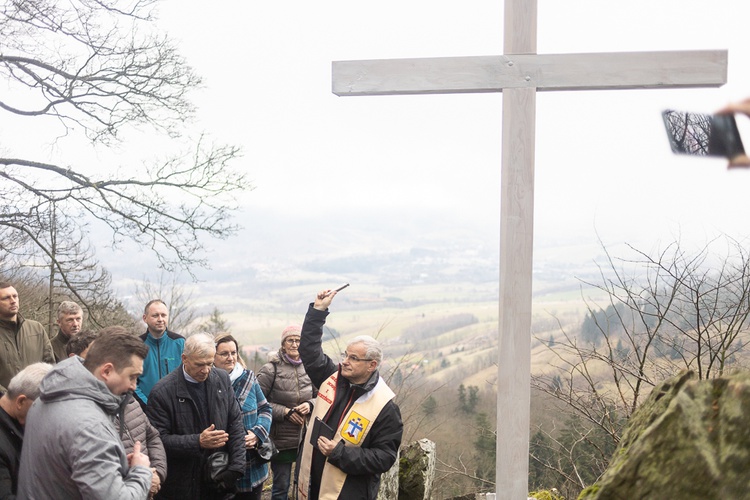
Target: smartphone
(700, 134)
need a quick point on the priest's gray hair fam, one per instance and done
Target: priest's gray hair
(372, 347)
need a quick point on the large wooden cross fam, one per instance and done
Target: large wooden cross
(518, 74)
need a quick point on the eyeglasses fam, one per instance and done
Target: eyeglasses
(227, 354)
(292, 341)
(352, 358)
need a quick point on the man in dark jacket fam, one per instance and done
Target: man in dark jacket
(14, 405)
(22, 341)
(196, 413)
(69, 321)
(358, 405)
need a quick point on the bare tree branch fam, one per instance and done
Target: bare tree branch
(99, 68)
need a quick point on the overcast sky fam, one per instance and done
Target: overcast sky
(603, 161)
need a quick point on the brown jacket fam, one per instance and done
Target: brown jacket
(22, 343)
(138, 428)
(285, 386)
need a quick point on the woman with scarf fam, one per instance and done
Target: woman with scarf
(291, 394)
(256, 413)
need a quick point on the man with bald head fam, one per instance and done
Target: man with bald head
(165, 349)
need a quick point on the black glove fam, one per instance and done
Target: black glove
(228, 479)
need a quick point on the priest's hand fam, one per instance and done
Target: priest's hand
(325, 445)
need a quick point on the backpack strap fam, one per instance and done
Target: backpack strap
(273, 382)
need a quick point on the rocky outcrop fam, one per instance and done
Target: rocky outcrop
(690, 440)
(416, 470)
(389, 482)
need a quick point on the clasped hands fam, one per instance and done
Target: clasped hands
(211, 438)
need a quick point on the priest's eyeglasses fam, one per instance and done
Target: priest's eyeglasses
(352, 358)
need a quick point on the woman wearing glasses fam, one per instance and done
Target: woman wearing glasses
(291, 394)
(256, 412)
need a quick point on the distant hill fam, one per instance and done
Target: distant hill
(400, 266)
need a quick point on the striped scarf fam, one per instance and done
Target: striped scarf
(256, 417)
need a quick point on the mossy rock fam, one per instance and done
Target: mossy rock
(690, 440)
(545, 495)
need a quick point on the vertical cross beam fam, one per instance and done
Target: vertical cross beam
(516, 257)
(519, 73)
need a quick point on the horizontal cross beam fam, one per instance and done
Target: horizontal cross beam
(545, 72)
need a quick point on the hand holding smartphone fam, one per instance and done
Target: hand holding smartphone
(700, 134)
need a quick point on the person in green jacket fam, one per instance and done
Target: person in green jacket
(22, 341)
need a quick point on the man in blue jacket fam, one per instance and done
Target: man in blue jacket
(164, 349)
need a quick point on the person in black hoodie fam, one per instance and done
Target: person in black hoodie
(356, 403)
